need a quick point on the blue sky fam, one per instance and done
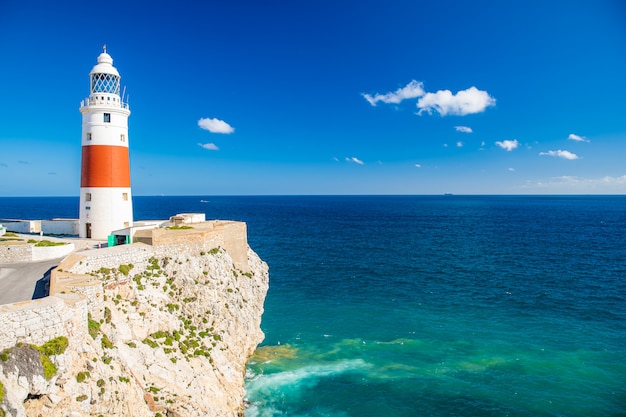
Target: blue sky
(324, 97)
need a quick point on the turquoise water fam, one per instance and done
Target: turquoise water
(430, 306)
(457, 306)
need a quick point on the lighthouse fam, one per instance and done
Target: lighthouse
(105, 197)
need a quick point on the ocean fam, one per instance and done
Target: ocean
(426, 305)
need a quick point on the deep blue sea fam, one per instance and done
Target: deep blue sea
(427, 305)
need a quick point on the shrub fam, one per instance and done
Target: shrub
(150, 343)
(93, 327)
(125, 269)
(106, 342)
(82, 397)
(159, 334)
(81, 376)
(107, 314)
(49, 369)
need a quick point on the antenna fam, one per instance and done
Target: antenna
(123, 93)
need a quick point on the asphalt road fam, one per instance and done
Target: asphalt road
(25, 281)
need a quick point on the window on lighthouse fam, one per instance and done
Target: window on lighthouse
(107, 117)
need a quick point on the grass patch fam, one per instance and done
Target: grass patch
(54, 346)
(183, 227)
(45, 243)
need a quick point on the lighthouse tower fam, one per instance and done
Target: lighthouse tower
(105, 198)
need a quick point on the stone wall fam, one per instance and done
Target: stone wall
(38, 321)
(28, 252)
(15, 253)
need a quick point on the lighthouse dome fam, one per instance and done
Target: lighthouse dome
(104, 65)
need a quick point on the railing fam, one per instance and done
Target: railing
(107, 103)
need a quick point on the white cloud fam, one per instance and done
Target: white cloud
(355, 160)
(508, 145)
(413, 89)
(209, 146)
(577, 138)
(560, 154)
(215, 125)
(573, 184)
(511, 169)
(418, 165)
(464, 102)
(459, 144)
(463, 129)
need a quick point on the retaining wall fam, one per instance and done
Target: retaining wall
(38, 321)
(28, 252)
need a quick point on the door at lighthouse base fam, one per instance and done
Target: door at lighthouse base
(88, 230)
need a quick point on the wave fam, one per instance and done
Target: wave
(292, 382)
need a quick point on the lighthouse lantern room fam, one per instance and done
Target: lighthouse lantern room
(105, 197)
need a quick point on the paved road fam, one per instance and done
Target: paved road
(25, 281)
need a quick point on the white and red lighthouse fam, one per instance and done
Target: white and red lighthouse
(105, 197)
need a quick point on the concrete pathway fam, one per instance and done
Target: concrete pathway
(30, 280)
(25, 280)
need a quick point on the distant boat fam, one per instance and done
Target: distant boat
(448, 194)
(203, 201)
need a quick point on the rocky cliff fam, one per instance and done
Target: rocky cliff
(167, 335)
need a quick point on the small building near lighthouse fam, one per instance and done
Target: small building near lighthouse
(105, 194)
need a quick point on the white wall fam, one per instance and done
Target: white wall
(23, 226)
(60, 227)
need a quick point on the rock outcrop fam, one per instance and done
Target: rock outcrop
(166, 335)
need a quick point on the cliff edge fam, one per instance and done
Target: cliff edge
(147, 330)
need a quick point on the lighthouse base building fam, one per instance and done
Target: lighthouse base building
(105, 194)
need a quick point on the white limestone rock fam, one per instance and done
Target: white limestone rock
(171, 337)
